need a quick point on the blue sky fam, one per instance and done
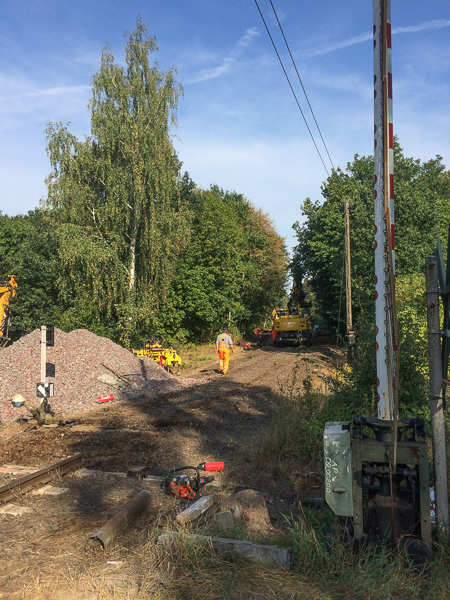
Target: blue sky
(238, 124)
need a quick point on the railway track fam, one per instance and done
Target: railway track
(10, 490)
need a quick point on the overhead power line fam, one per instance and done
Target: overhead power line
(292, 89)
(301, 82)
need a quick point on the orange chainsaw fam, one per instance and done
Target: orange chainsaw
(187, 483)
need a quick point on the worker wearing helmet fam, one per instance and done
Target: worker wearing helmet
(224, 344)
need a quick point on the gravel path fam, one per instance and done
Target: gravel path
(74, 365)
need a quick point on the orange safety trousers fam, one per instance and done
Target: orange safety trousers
(224, 357)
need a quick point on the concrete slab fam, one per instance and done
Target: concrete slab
(137, 471)
(214, 485)
(154, 478)
(273, 555)
(13, 509)
(225, 520)
(196, 510)
(88, 472)
(49, 490)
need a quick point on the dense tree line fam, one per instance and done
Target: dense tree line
(124, 245)
(422, 212)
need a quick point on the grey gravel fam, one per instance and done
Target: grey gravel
(75, 363)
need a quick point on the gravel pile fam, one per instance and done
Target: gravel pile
(77, 365)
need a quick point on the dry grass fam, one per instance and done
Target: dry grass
(193, 570)
(44, 555)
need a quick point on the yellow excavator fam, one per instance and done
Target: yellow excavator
(293, 325)
(8, 287)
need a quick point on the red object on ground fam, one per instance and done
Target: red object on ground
(105, 399)
(214, 466)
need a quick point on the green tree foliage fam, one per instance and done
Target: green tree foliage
(27, 250)
(422, 211)
(113, 196)
(143, 251)
(234, 265)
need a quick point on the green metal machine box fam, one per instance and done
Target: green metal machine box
(338, 468)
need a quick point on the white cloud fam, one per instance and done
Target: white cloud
(227, 62)
(61, 90)
(212, 73)
(248, 37)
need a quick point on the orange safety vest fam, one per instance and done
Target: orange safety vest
(223, 344)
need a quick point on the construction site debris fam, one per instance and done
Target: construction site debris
(225, 520)
(273, 555)
(203, 507)
(137, 471)
(122, 519)
(103, 399)
(9, 491)
(14, 510)
(79, 358)
(252, 508)
(49, 490)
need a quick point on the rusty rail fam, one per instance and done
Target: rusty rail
(10, 490)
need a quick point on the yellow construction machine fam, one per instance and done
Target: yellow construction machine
(168, 358)
(293, 325)
(8, 287)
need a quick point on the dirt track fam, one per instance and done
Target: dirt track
(212, 420)
(200, 423)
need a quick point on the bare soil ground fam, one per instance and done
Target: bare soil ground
(44, 551)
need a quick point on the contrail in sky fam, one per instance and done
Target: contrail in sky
(364, 37)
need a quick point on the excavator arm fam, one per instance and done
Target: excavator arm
(7, 291)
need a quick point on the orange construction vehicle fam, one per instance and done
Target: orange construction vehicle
(7, 291)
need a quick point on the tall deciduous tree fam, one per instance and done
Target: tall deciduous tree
(234, 267)
(422, 211)
(114, 196)
(27, 250)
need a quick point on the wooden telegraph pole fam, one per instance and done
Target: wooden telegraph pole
(436, 399)
(348, 282)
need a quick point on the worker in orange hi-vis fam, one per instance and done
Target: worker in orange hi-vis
(224, 344)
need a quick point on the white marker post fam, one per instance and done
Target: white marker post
(44, 389)
(385, 310)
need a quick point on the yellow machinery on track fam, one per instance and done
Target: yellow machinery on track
(292, 325)
(168, 358)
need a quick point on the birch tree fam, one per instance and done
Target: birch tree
(113, 195)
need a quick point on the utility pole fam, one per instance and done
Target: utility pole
(436, 399)
(348, 282)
